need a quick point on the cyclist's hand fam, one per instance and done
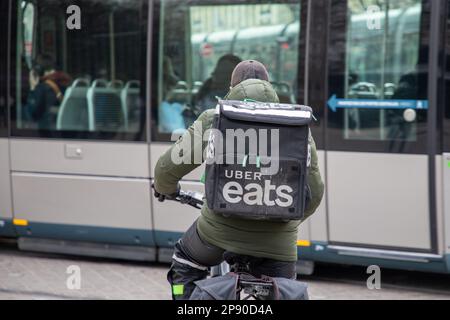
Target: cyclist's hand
(158, 195)
(162, 197)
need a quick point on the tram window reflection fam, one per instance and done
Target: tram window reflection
(386, 63)
(79, 83)
(172, 106)
(204, 54)
(218, 84)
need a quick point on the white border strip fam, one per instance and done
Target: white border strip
(270, 112)
(386, 254)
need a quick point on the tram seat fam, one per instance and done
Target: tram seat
(105, 108)
(284, 92)
(73, 113)
(181, 93)
(196, 87)
(130, 104)
(116, 84)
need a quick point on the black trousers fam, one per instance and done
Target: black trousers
(193, 257)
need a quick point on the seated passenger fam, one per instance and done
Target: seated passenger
(47, 87)
(218, 84)
(170, 113)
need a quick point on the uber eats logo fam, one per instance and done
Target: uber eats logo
(250, 187)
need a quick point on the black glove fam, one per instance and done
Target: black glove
(162, 197)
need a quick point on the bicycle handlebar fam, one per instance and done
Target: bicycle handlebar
(192, 198)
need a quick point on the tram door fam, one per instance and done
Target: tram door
(378, 178)
(79, 155)
(199, 44)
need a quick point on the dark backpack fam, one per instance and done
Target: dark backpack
(245, 175)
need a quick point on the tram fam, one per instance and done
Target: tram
(76, 173)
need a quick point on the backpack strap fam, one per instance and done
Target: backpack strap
(52, 84)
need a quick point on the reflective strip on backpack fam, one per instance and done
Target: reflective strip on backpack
(308, 161)
(270, 112)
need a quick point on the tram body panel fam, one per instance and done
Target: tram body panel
(378, 199)
(440, 214)
(6, 228)
(314, 229)
(304, 231)
(172, 219)
(6, 214)
(80, 157)
(70, 207)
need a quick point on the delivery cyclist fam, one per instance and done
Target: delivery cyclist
(206, 241)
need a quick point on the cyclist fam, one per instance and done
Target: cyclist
(272, 244)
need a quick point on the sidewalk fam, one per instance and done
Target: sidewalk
(40, 276)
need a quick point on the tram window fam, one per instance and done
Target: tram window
(80, 83)
(379, 53)
(199, 46)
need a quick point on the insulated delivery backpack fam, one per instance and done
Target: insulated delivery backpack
(257, 160)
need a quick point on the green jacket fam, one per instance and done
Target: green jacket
(265, 239)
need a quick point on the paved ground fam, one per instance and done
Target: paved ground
(42, 276)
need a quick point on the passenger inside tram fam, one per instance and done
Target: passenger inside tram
(411, 86)
(171, 109)
(47, 87)
(218, 84)
(102, 95)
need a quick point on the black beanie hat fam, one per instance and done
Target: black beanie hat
(249, 69)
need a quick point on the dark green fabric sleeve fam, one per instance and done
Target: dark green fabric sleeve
(184, 156)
